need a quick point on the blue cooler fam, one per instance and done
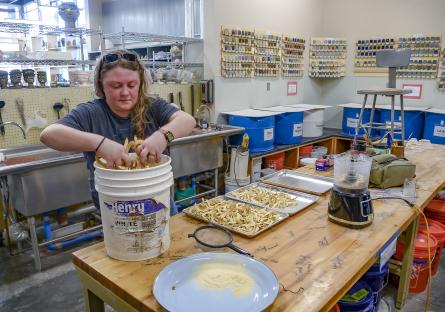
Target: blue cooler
(435, 126)
(414, 120)
(260, 130)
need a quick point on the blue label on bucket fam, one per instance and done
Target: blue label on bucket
(135, 207)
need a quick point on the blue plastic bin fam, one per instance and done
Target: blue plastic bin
(376, 279)
(364, 304)
(289, 128)
(350, 120)
(413, 122)
(259, 129)
(434, 128)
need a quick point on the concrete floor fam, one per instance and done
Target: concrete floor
(57, 287)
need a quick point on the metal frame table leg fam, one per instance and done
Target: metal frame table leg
(402, 291)
(216, 182)
(34, 242)
(402, 116)
(359, 123)
(371, 118)
(392, 116)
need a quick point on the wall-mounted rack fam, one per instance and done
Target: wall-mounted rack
(327, 57)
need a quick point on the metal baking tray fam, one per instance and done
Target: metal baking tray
(294, 180)
(249, 235)
(302, 200)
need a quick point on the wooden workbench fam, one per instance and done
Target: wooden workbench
(316, 261)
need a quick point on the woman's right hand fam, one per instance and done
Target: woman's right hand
(114, 153)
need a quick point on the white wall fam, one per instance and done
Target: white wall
(93, 15)
(352, 19)
(297, 17)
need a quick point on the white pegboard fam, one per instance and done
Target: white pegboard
(42, 100)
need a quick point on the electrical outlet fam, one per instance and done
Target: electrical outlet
(268, 86)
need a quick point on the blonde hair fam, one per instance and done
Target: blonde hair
(139, 112)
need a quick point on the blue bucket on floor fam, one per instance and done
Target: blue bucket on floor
(413, 123)
(376, 279)
(434, 128)
(289, 128)
(259, 129)
(366, 304)
(350, 120)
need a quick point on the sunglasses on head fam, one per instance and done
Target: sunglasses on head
(114, 57)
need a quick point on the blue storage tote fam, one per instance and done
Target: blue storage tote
(351, 114)
(259, 126)
(435, 126)
(289, 128)
(414, 119)
(363, 303)
(288, 124)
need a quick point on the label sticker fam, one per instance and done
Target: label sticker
(268, 134)
(298, 130)
(351, 122)
(134, 207)
(439, 131)
(397, 124)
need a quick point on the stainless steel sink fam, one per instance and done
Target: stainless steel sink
(29, 157)
(41, 179)
(200, 151)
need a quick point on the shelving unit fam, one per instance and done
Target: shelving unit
(237, 52)
(441, 75)
(424, 58)
(365, 60)
(292, 49)
(41, 62)
(267, 55)
(46, 62)
(128, 40)
(327, 57)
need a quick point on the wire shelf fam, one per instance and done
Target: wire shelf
(152, 38)
(46, 62)
(14, 27)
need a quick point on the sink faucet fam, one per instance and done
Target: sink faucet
(14, 124)
(199, 112)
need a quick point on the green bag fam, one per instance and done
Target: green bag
(388, 171)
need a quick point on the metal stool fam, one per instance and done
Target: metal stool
(391, 59)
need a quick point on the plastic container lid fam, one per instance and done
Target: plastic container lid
(308, 161)
(252, 113)
(420, 248)
(436, 205)
(435, 228)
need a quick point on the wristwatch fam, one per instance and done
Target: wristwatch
(167, 134)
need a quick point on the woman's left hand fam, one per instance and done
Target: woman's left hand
(151, 149)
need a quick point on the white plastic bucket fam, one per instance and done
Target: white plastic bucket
(313, 123)
(135, 218)
(233, 184)
(238, 163)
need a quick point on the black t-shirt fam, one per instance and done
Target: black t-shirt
(96, 117)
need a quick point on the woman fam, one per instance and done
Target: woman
(123, 110)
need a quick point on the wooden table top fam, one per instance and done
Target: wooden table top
(315, 261)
